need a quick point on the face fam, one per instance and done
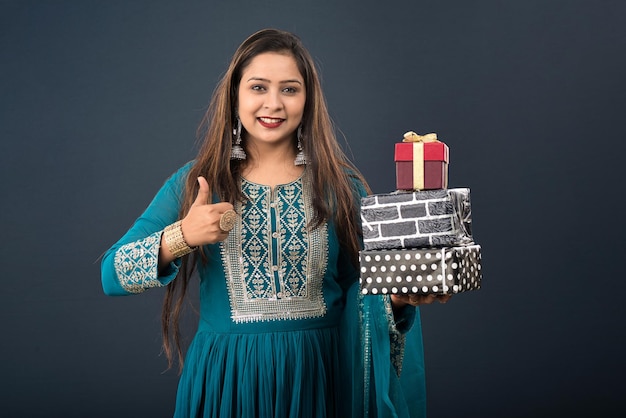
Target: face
(271, 99)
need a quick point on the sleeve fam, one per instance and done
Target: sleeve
(131, 264)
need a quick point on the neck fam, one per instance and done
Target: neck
(273, 157)
(271, 165)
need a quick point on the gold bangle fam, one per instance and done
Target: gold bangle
(173, 235)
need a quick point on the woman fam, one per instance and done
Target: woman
(267, 216)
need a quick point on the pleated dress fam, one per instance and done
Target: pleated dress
(283, 329)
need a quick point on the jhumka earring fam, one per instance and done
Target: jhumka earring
(237, 152)
(300, 157)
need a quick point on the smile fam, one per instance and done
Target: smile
(270, 122)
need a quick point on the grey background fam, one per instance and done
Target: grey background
(99, 102)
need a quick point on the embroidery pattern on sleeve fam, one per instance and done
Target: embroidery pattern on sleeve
(136, 264)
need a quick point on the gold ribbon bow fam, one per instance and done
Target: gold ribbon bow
(413, 137)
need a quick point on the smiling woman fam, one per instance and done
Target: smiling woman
(270, 106)
(267, 216)
(271, 99)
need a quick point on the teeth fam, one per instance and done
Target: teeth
(270, 120)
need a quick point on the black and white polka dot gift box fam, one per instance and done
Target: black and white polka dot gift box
(428, 218)
(445, 270)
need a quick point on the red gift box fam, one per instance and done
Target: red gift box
(421, 165)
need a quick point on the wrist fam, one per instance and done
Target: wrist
(176, 244)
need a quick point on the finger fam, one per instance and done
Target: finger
(427, 299)
(399, 300)
(203, 192)
(404, 298)
(222, 207)
(222, 236)
(444, 298)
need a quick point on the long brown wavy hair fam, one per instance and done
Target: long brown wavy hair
(330, 170)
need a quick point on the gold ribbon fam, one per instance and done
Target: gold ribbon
(418, 155)
(413, 137)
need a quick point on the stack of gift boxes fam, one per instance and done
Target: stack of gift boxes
(418, 239)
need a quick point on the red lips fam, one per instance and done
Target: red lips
(270, 122)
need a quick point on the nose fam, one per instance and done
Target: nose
(273, 100)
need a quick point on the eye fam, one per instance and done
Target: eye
(257, 87)
(290, 90)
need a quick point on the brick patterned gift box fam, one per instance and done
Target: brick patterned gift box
(430, 218)
(445, 270)
(421, 163)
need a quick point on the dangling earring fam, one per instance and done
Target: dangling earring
(300, 157)
(237, 152)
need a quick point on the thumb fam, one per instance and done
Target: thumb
(203, 193)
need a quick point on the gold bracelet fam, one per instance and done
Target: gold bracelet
(173, 235)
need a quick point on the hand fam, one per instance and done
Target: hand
(202, 224)
(399, 301)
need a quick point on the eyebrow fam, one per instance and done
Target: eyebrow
(268, 81)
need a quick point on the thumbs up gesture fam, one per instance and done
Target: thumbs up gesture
(202, 224)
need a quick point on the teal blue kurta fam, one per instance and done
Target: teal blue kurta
(283, 330)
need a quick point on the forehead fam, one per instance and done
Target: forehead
(273, 66)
